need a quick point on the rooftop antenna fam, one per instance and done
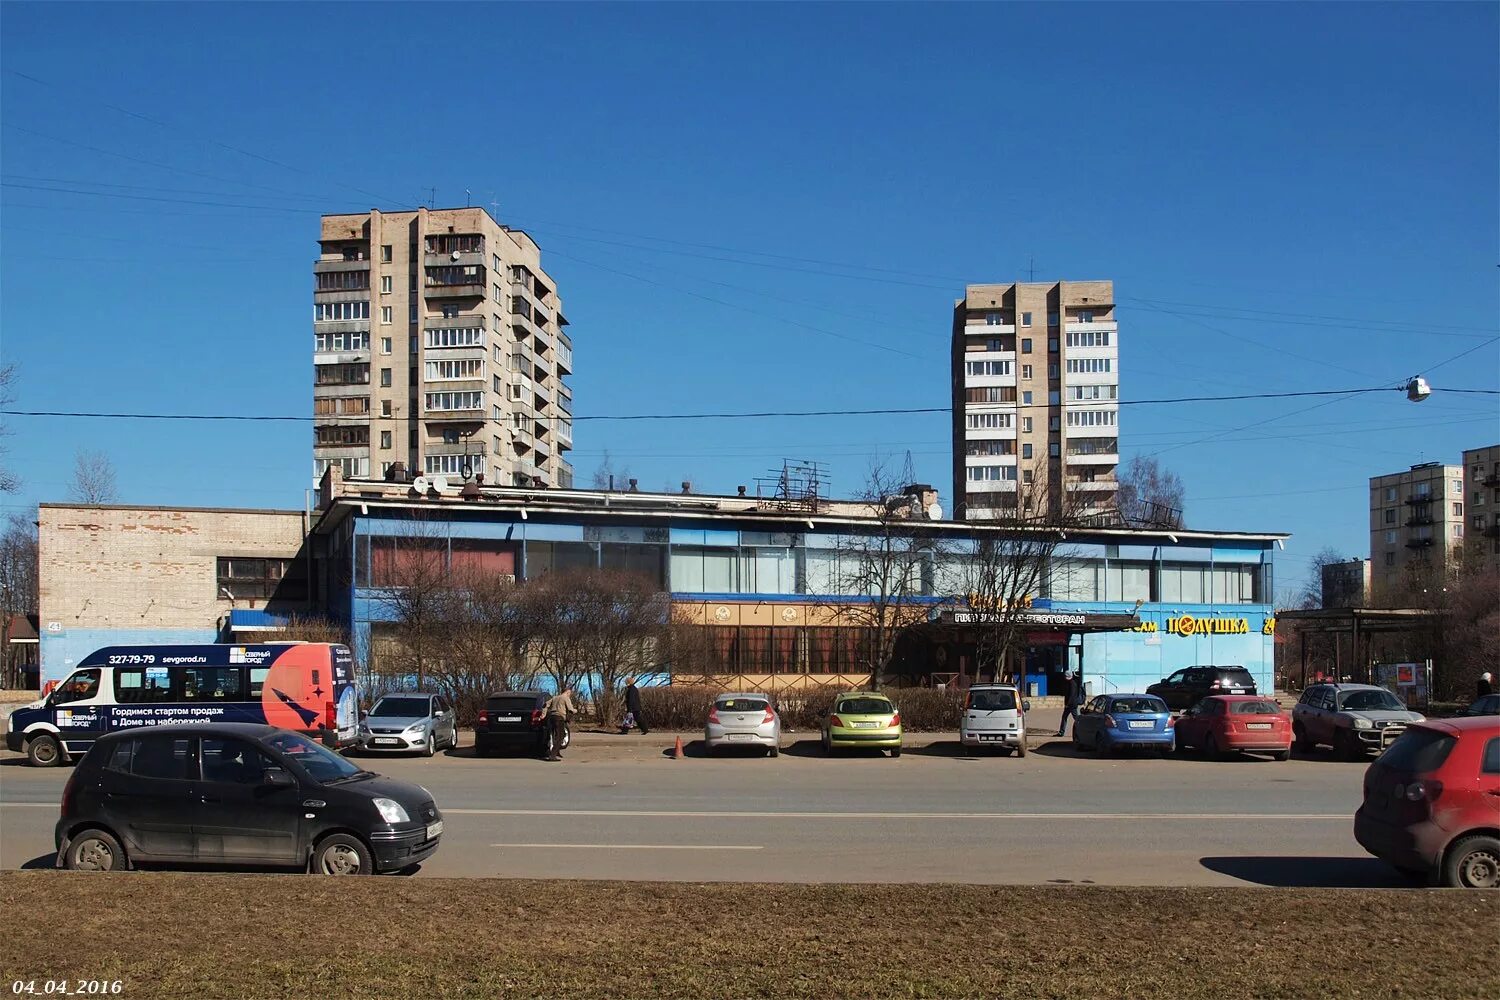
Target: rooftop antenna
(495, 205)
(432, 198)
(1031, 268)
(467, 198)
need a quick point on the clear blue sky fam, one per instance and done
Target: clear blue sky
(1288, 197)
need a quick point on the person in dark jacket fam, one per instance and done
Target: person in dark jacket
(1072, 698)
(633, 706)
(1486, 685)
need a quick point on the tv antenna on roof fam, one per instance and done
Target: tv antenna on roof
(1031, 268)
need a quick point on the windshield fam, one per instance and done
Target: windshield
(992, 701)
(322, 764)
(400, 708)
(1254, 708)
(1371, 701)
(742, 705)
(1139, 705)
(1236, 677)
(865, 706)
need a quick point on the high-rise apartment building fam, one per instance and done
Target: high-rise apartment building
(1482, 498)
(438, 343)
(1036, 380)
(1416, 529)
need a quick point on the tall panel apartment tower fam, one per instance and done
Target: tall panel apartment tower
(438, 344)
(1416, 529)
(1036, 379)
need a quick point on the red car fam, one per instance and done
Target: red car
(1224, 723)
(1432, 802)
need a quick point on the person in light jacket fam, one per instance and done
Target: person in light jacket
(559, 707)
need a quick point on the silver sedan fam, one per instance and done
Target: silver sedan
(738, 720)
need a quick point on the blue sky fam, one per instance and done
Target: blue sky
(1288, 197)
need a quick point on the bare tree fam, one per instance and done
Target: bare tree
(1312, 591)
(411, 571)
(887, 566)
(606, 477)
(93, 478)
(18, 588)
(9, 483)
(622, 622)
(484, 647)
(1151, 494)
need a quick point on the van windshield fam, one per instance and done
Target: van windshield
(321, 764)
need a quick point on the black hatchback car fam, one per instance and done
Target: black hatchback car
(238, 794)
(1187, 687)
(515, 720)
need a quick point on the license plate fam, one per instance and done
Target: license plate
(1236, 690)
(742, 736)
(507, 718)
(1257, 725)
(433, 829)
(383, 742)
(1142, 725)
(867, 725)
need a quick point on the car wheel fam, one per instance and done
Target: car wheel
(44, 751)
(1300, 740)
(827, 744)
(895, 752)
(1346, 747)
(341, 854)
(1211, 748)
(774, 752)
(1282, 755)
(430, 746)
(1473, 863)
(1021, 749)
(94, 851)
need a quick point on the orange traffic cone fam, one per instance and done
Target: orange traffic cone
(677, 750)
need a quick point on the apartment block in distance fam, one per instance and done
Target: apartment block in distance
(1036, 381)
(439, 344)
(1346, 584)
(1416, 527)
(1482, 490)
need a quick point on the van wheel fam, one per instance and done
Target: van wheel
(1473, 863)
(341, 854)
(94, 851)
(44, 751)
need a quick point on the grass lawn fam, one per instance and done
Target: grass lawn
(233, 936)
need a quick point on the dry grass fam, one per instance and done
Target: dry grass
(252, 936)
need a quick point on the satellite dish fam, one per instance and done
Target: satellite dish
(935, 512)
(420, 484)
(440, 484)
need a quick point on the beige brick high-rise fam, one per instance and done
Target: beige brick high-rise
(1036, 378)
(1416, 528)
(1482, 499)
(438, 344)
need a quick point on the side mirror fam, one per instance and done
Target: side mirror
(1025, 706)
(1163, 681)
(275, 777)
(363, 715)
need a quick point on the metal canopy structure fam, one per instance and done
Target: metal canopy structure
(1359, 624)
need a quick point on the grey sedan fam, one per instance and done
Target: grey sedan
(738, 720)
(411, 721)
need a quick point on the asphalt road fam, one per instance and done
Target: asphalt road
(622, 808)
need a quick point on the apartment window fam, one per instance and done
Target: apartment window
(1390, 494)
(1052, 370)
(323, 342)
(1054, 397)
(1052, 345)
(1086, 316)
(991, 473)
(1091, 418)
(385, 253)
(1026, 321)
(341, 374)
(998, 345)
(446, 243)
(260, 578)
(442, 401)
(987, 421)
(385, 377)
(990, 448)
(385, 440)
(1025, 451)
(515, 392)
(450, 311)
(1054, 449)
(468, 336)
(385, 407)
(347, 406)
(496, 385)
(1458, 531)
(1026, 371)
(385, 284)
(448, 371)
(1458, 487)
(1479, 498)
(1052, 319)
(411, 313)
(1390, 558)
(341, 281)
(1078, 366)
(1025, 345)
(385, 345)
(1092, 391)
(982, 368)
(1390, 515)
(324, 312)
(496, 291)
(340, 436)
(1054, 423)
(1478, 522)
(1458, 509)
(385, 315)
(1026, 425)
(1088, 338)
(452, 465)
(1026, 397)
(1028, 476)
(1422, 490)
(981, 394)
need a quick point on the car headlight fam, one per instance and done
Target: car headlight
(416, 727)
(1363, 724)
(1418, 717)
(392, 811)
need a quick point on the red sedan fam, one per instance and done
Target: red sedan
(1225, 723)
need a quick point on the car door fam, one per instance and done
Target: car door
(449, 723)
(1320, 717)
(1169, 690)
(1192, 727)
(148, 795)
(240, 816)
(1087, 726)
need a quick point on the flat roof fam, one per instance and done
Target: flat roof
(195, 510)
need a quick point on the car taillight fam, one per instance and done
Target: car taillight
(537, 714)
(770, 716)
(713, 715)
(895, 719)
(1422, 790)
(1171, 722)
(1215, 684)
(835, 722)
(1109, 721)
(484, 717)
(330, 715)
(69, 790)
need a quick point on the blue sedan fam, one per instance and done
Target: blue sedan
(1119, 721)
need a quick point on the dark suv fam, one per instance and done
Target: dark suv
(515, 720)
(238, 794)
(1187, 687)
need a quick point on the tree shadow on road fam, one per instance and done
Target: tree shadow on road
(1311, 873)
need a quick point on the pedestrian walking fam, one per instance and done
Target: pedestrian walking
(559, 707)
(633, 713)
(1072, 698)
(1486, 686)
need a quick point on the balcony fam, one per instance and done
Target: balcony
(458, 258)
(541, 314)
(1098, 326)
(1419, 518)
(1092, 486)
(1493, 479)
(542, 393)
(991, 486)
(440, 291)
(1419, 543)
(1094, 458)
(541, 340)
(564, 356)
(337, 264)
(1493, 531)
(564, 434)
(988, 329)
(1418, 499)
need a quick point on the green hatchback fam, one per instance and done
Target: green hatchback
(863, 719)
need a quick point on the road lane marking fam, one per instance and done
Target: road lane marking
(676, 814)
(29, 805)
(643, 847)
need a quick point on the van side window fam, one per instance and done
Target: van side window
(213, 684)
(142, 685)
(258, 681)
(83, 685)
(164, 757)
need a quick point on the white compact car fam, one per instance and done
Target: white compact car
(994, 716)
(738, 720)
